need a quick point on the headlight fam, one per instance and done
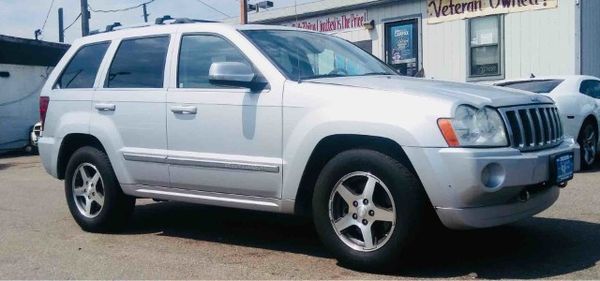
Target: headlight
(474, 127)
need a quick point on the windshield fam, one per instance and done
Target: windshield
(535, 86)
(307, 55)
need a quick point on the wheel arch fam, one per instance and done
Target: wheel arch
(69, 145)
(590, 118)
(330, 146)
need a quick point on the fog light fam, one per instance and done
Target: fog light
(493, 175)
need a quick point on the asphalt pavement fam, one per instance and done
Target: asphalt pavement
(39, 239)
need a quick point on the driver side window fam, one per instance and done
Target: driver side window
(196, 55)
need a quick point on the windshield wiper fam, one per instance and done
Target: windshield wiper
(330, 75)
(375, 73)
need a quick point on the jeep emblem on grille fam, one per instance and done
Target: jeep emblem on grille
(535, 99)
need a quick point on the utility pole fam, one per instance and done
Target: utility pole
(85, 18)
(243, 11)
(145, 13)
(61, 31)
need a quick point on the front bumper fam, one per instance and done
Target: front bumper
(476, 188)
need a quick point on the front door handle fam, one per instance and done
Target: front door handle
(183, 109)
(105, 107)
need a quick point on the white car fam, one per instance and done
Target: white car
(578, 101)
(292, 121)
(35, 134)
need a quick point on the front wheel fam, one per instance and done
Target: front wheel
(367, 208)
(93, 193)
(588, 141)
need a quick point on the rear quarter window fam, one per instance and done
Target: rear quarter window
(534, 86)
(590, 88)
(81, 71)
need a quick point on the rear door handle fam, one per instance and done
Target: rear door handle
(183, 109)
(105, 107)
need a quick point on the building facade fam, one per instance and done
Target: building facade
(461, 40)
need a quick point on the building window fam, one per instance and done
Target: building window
(485, 47)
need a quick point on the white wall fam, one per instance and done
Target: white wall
(19, 103)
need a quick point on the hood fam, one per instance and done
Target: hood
(477, 95)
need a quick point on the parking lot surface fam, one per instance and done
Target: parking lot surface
(38, 239)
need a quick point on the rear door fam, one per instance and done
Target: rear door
(129, 109)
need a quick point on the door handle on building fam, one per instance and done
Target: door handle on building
(105, 107)
(182, 109)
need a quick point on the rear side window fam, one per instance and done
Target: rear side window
(197, 54)
(534, 86)
(590, 88)
(83, 67)
(139, 63)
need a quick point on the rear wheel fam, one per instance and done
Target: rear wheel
(93, 193)
(588, 141)
(367, 208)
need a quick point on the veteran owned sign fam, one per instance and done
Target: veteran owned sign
(447, 10)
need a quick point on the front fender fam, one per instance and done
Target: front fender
(302, 136)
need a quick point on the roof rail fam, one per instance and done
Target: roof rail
(165, 18)
(158, 21)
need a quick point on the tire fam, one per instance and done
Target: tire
(588, 141)
(31, 150)
(408, 206)
(109, 208)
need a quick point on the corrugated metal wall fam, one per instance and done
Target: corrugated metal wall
(590, 37)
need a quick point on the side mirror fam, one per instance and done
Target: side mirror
(235, 74)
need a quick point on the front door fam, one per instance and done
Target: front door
(402, 46)
(221, 139)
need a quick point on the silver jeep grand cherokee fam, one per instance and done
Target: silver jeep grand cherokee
(291, 121)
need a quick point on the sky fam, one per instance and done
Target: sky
(21, 18)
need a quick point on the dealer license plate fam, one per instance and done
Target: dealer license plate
(563, 165)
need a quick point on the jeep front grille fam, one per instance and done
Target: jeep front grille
(533, 127)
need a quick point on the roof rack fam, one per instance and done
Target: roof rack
(165, 18)
(111, 27)
(158, 21)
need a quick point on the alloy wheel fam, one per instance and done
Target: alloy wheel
(362, 212)
(88, 190)
(589, 145)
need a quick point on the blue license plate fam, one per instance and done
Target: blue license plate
(563, 165)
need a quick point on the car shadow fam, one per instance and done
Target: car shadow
(14, 154)
(231, 226)
(533, 248)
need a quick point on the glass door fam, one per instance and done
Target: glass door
(402, 46)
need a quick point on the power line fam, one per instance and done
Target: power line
(47, 15)
(213, 8)
(72, 22)
(120, 10)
